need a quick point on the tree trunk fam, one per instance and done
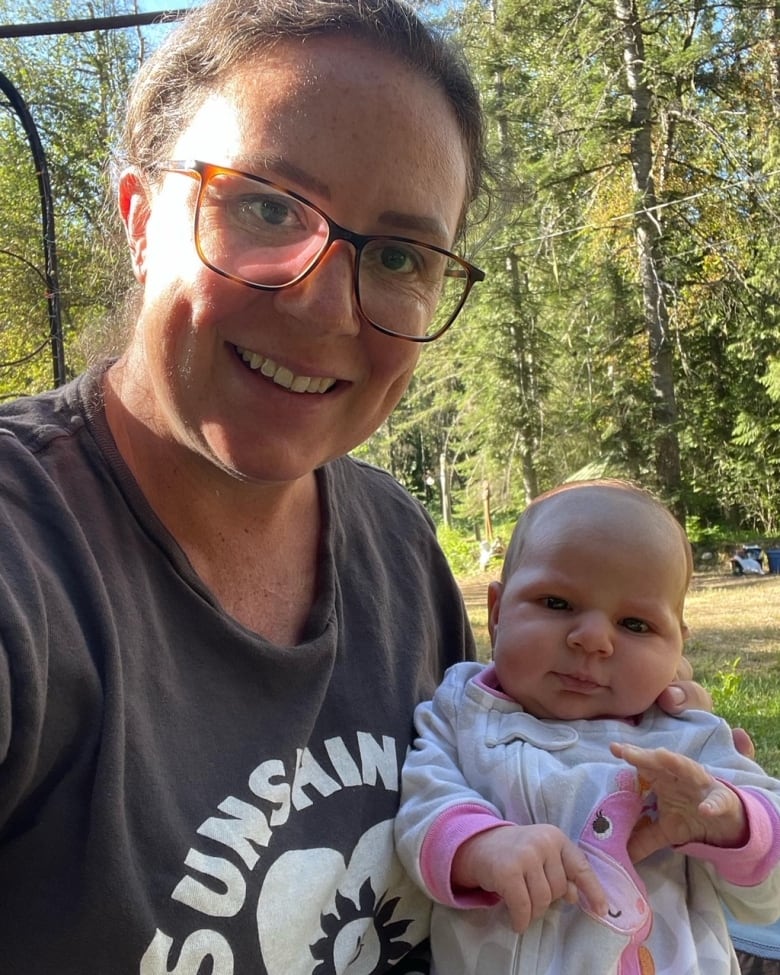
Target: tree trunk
(650, 256)
(774, 40)
(526, 420)
(444, 482)
(524, 365)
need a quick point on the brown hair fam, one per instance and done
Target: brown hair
(218, 37)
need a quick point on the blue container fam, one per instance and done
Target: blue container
(773, 554)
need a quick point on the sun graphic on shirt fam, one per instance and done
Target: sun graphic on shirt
(360, 938)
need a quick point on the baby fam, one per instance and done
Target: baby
(560, 821)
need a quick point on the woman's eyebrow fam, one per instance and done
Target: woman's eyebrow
(283, 169)
(430, 226)
(393, 219)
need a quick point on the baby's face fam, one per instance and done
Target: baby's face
(589, 624)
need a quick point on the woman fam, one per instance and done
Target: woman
(214, 625)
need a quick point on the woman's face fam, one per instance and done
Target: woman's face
(373, 144)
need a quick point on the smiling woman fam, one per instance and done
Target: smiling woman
(217, 624)
(278, 374)
(312, 326)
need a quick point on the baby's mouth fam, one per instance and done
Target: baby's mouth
(282, 376)
(579, 682)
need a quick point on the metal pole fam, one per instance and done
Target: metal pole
(92, 23)
(47, 213)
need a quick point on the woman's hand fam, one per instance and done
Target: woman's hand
(685, 694)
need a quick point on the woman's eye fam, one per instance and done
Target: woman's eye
(398, 260)
(267, 209)
(635, 625)
(555, 602)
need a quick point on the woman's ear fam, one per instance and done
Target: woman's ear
(495, 589)
(134, 209)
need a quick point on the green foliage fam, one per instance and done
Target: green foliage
(461, 550)
(726, 686)
(707, 535)
(548, 371)
(74, 86)
(771, 380)
(745, 694)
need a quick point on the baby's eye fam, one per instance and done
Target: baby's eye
(555, 602)
(635, 625)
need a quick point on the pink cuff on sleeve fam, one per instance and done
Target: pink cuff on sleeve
(750, 864)
(447, 834)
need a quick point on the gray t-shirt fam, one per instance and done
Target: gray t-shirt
(177, 794)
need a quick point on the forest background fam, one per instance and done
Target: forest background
(628, 322)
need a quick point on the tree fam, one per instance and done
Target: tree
(74, 86)
(631, 302)
(651, 258)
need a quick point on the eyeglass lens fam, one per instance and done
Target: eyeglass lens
(261, 235)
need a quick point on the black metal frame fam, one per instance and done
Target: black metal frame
(17, 103)
(47, 216)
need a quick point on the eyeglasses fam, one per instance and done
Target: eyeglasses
(262, 235)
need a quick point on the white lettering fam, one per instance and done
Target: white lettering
(248, 824)
(344, 764)
(197, 947)
(310, 772)
(260, 782)
(375, 759)
(245, 830)
(199, 897)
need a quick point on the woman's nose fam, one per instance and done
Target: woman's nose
(591, 633)
(325, 301)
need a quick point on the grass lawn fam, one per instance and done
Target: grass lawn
(734, 649)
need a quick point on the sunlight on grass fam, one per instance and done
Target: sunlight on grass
(735, 652)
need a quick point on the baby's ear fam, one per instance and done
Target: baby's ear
(495, 591)
(686, 633)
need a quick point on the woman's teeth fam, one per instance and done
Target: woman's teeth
(282, 376)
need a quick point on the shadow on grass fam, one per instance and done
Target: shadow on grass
(720, 580)
(735, 642)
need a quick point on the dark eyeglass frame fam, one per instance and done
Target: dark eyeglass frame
(203, 172)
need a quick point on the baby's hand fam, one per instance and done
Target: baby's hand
(692, 805)
(529, 867)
